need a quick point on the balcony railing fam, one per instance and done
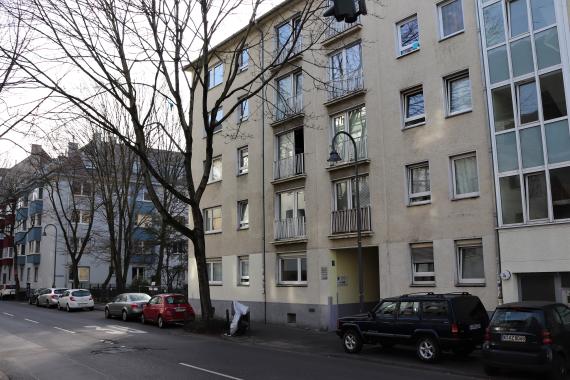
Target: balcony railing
(345, 149)
(289, 167)
(345, 221)
(288, 51)
(290, 228)
(347, 84)
(289, 107)
(335, 28)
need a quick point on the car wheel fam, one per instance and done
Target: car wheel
(37, 302)
(125, 316)
(161, 323)
(107, 313)
(559, 369)
(30, 301)
(427, 349)
(490, 370)
(68, 308)
(352, 342)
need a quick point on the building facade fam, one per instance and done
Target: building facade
(406, 83)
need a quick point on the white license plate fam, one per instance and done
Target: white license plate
(513, 338)
(83, 303)
(180, 309)
(475, 326)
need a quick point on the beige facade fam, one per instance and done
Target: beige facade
(423, 227)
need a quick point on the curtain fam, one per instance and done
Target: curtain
(466, 180)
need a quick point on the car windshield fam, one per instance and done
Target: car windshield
(59, 291)
(171, 300)
(81, 293)
(139, 297)
(469, 309)
(517, 320)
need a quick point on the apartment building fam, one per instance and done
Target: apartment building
(526, 54)
(406, 82)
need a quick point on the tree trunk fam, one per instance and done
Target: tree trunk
(203, 283)
(108, 279)
(162, 246)
(74, 270)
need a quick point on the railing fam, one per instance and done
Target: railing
(288, 107)
(336, 27)
(345, 149)
(290, 228)
(345, 221)
(289, 167)
(288, 51)
(339, 87)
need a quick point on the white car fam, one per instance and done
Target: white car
(76, 299)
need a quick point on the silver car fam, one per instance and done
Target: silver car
(48, 297)
(126, 305)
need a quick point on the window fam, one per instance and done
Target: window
(218, 126)
(243, 110)
(536, 196)
(560, 183)
(286, 35)
(387, 310)
(413, 107)
(215, 75)
(216, 170)
(243, 268)
(36, 220)
(243, 214)
(34, 247)
(137, 273)
(243, 160)
(458, 93)
(144, 247)
(144, 195)
(435, 310)
(291, 205)
(80, 188)
(290, 160)
(37, 194)
(345, 71)
(352, 122)
(470, 268)
(292, 270)
(80, 216)
(408, 36)
(409, 310)
(511, 204)
(527, 102)
(465, 176)
(35, 274)
(213, 219)
(518, 17)
(419, 190)
(423, 268)
(289, 96)
(345, 193)
(144, 220)
(214, 271)
(243, 59)
(450, 18)
(553, 95)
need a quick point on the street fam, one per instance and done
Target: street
(39, 343)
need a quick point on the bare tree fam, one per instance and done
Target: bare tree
(151, 57)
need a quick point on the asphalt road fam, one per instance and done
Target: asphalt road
(39, 343)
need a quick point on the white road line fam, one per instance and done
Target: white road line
(208, 371)
(30, 320)
(68, 331)
(8, 314)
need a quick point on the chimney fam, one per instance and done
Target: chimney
(72, 148)
(36, 149)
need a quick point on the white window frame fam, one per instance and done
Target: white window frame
(211, 179)
(37, 194)
(440, 14)
(36, 220)
(402, 49)
(219, 117)
(212, 75)
(81, 216)
(350, 188)
(241, 116)
(410, 195)
(414, 121)
(243, 279)
(459, 245)
(242, 224)
(243, 66)
(452, 160)
(242, 169)
(422, 274)
(448, 82)
(299, 259)
(144, 195)
(210, 265)
(295, 193)
(205, 216)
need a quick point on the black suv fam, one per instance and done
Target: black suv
(431, 322)
(531, 336)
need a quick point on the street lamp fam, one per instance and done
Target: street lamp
(335, 157)
(54, 250)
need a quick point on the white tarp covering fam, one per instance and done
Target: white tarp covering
(239, 310)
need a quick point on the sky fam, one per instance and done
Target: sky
(17, 144)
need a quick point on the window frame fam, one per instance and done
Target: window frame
(243, 280)
(242, 225)
(210, 268)
(442, 36)
(350, 188)
(422, 274)
(452, 160)
(210, 175)
(409, 194)
(459, 245)
(205, 216)
(401, 52)
(243, 66)
(241, 117)
(241, 170)
(414, 121)
(448, 81)
(212, 72)
(299, 258)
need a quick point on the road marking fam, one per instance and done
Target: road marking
(106, 330)
(30, 320)
(126, 329)
(8, 314)
(208, 371)
(68, 331)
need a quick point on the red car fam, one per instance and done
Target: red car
(163, 309)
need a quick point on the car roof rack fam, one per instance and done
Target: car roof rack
(420, 294)
(459, 293)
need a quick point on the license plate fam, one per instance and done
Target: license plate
(475, 326)
(83, 303)
(180, 309)
(513, 338)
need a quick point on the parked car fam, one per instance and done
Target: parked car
(164, 309)
(48, 297)
(127, 305)
(75, 299)
(431, 322)
(530, 336)
(7, 291)
(34, 295)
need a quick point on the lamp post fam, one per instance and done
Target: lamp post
(335, 157)
(54, 250)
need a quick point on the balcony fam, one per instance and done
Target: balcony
(35, 207)
(285, 53)
(289, 167)
(33, 259)
(143, 234)
(351, 83)
(34, 234)
(290, 229)
(337, 28)
(143, 259)
(21, 260)
(7, 242)
(21, 214)
(345, 149)
(6, 261)
(288, 108)
(346, 221)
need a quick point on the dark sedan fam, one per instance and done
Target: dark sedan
(126, 305)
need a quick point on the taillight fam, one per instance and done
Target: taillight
(72, 298)
(135, 306)
(53, 296)
(487, 335)
(454, 329)
(546, 337)
(90, 298)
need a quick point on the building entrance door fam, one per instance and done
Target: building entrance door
(537, 287)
